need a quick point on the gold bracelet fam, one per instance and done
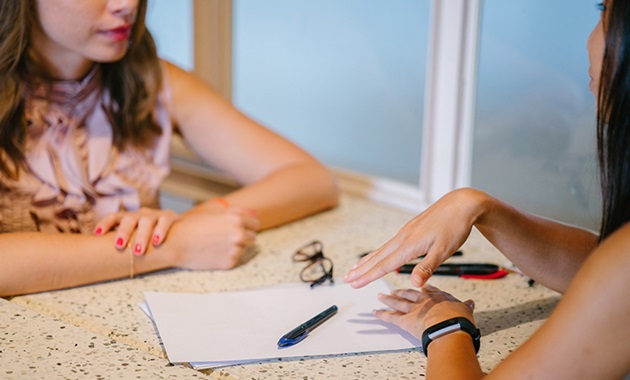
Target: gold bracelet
(130, 265)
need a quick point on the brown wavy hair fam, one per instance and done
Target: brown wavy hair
(133, 83)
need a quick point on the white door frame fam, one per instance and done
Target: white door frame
(450, 97)
(448, 113)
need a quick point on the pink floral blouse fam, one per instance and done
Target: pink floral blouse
(74, 175)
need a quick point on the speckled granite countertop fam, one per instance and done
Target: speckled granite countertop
(101, 330)
(36, 346)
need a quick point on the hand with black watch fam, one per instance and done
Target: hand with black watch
(430, 314)
(450, 326)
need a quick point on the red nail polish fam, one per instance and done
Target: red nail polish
(120, 242)
(156, 239)
(137, 248)
(98, 230)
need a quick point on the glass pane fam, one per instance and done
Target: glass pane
(170, 24)
(342, 78)
(534, 139)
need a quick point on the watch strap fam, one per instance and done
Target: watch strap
(450, 326)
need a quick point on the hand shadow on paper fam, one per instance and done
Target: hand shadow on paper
(375, 326)
(489, 321)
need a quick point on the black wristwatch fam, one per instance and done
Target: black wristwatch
(449, 326)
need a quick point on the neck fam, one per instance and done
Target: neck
(70, 72)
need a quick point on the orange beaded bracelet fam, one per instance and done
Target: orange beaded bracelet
(220, 201)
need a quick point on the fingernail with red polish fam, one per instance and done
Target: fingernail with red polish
(137, 250)
(120, 243)
(156, 239)
(98, 230)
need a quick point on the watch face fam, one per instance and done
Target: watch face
(436, 333)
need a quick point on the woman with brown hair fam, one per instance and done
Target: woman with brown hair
(87, 113)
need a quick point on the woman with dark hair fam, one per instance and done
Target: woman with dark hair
(586, 336)
(87, 113)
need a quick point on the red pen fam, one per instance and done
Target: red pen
(477, 270)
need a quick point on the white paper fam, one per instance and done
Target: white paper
(244, 326)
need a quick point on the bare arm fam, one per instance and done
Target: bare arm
(34, 261)
(585, 337)
(281, 181)
(451, 356)
(547, 251)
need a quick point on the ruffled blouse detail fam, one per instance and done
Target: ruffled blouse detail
(75, 175)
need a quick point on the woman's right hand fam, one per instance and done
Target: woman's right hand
(212, 238)
(437, 233)
(137, 228)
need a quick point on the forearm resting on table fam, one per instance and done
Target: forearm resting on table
(453, 357)
(34, 261)
(550, 252)
(288, 194)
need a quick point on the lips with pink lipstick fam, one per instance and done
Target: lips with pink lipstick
(121, 33)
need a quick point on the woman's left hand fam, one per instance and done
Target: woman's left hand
(146, 226)
(415, 311)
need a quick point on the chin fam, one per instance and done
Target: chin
(111, 55)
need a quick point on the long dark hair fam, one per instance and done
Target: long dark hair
(613, 113)
(133, 83)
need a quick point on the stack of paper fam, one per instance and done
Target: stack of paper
(218, 329)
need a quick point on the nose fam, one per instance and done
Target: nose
(123, 7)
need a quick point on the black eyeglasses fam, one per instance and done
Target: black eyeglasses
(319, 268)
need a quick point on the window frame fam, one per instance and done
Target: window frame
(446, 154)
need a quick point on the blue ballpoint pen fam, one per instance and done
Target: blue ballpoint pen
(299, 333)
